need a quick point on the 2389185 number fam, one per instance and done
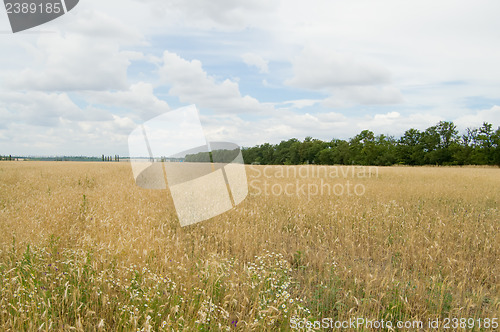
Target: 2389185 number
(463, 323)
(33, 8)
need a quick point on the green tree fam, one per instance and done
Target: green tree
(431, 139)
(341, 152)
(437, 145)
(326, 156)
(385, 147)
(496, 145)
(282, 152)
(410, 148)
(363, 149)
(486, 143)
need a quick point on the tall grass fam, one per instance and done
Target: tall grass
(81, 247)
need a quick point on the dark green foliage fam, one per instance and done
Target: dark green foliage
(217, 156)
(437, 145)
(200, 157)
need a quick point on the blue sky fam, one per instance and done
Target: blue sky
(259, 71)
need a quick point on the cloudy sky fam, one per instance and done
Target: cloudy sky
(258, 71)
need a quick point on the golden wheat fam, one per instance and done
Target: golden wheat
(82, 247)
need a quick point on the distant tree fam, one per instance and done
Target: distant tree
(496, 147)
(306, 151)
(477, 146)
(437, 141)
(326, 156)
(250, 155)
(200, 157)
(314, 150)
(267, 154)
(448, 140)
(295, 154)
(386, 150)
(341, 152)
(282, 152)
(410, 148)
(486, 143)
(363, 148)
(463, 154)
(447, 132)
(437, 145)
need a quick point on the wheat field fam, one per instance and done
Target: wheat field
(83, 248)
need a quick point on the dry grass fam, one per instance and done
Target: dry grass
(82, 247)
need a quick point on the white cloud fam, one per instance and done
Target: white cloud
(222, 14)
(86, 56)
(319, 69)
(138, 99)
(69, 138)
(349, 80)
(39, 123)
(364, 95)
(281, 125)
(256, 60)
(45, 109)
(477, 119)
(331, 53)
(388, 116)
(301, 103)
(394, 123)
(285, 124)
(193, 85)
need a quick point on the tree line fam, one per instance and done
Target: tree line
(109, 158)
(216, 156)
(62, 158)
(440, 144)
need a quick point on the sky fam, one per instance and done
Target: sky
(258, 71)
